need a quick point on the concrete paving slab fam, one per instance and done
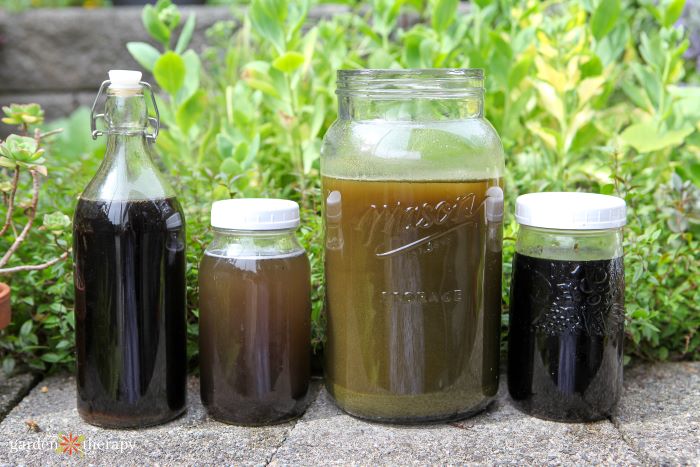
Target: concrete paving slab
(500, 435)
(659, 415)
(192, 439)
(658, 422)
(13, 389)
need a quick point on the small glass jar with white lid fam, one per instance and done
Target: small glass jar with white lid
(567, 309)
(255, 311)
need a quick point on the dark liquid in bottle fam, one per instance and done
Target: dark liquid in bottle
(413, 275)
(566, 336)
(130, 311)
(254, 337)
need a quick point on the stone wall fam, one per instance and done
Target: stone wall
(59, 57)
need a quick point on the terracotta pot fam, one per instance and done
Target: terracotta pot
(5, 312)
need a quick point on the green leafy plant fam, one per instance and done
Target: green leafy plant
(23, 154)
(589, 95)
(572, 94)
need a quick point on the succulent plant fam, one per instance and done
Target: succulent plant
(22, 151)
(23, 114)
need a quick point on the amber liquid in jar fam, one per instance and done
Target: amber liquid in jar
(254, 334)
(413, 297)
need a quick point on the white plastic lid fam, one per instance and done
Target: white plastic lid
(124, 79)
(570, 211)
(255, 214)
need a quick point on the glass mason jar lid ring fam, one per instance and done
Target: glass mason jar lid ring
(570, 211)
(255, 214)
(441, 83)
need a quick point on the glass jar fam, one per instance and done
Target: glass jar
(254, 314)
(413, 204)
(567, 309)
(129, 257)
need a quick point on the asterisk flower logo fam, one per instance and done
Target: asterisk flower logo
(70, 444)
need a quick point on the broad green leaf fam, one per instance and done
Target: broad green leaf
(612, 46)
(687, 101)
(155, 27)
(380, 58)
(550, 100)
(673, 12)
(647, 137)
(26, 328)
(220, 192)
(241, 153)
(64, 344)
(654, 11)
(192, 71)
(288, 61)
(230, 167)
(554, 76)
(592, 67)
(224, 145)
(186, 34)
(267, 18)
(584, 138)
(145, 54)
(690, 172)
(51, 357)
(499, 44)
(444, 12)
(588, 88)
(319, 115)
(263, 86)
(169, 72)
(604, 17)
(519, 71)
(548, 136)
(311, 153)
(310, 41)
(607, 189)
(653, 50)
(8, 364)
(191, 111)
(634, 92)
(412, 42)
(297, 13)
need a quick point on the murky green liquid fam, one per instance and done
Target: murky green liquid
(413, 274)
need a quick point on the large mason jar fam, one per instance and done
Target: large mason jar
(413, 206)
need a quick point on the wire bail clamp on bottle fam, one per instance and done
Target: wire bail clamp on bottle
(155, 122)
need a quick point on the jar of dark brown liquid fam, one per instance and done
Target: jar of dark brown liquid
(129, 252)
(413, 195)
(567, 308)
(254, 314)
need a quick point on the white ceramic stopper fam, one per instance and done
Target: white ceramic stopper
(124, 79)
